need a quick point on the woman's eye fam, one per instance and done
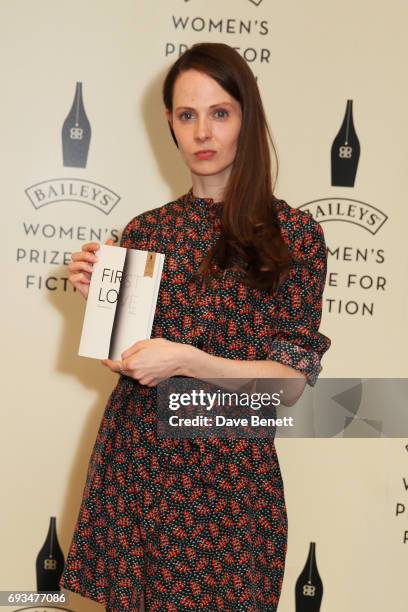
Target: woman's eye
(221, 113)
(185, 115)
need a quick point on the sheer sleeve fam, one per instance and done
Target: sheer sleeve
(296, 315)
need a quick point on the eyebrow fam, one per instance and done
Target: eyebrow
(212, 106)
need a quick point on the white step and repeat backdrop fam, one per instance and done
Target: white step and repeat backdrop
(326, 71)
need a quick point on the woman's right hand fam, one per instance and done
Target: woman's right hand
(80, 268)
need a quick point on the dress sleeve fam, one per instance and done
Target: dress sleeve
(297, 309)
(132, 234)
(138, 232)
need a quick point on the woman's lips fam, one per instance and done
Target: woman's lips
(205, 154)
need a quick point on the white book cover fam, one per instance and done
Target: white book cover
(121, 301)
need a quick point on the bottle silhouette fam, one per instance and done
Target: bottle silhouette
(309, 586)
(50, 561)
(345, 152)
(76, 133)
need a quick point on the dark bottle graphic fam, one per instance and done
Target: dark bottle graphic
(50, 561)
(345, 152)
(309, 586)
(76, 133)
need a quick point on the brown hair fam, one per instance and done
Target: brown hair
(250, 238)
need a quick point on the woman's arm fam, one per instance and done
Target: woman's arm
(196, 363)
(156, 359)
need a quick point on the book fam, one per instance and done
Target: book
(121, 301)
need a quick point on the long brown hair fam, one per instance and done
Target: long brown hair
(250, 238)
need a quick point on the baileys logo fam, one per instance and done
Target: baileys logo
(76, 138)
(345, 155)
(347, 210)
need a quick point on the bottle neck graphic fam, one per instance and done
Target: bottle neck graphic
(78, 103)
(311, 561)
(51, 536)
(348, 120)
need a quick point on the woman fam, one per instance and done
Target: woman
(201, 524)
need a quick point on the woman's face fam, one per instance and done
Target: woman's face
(206, 121)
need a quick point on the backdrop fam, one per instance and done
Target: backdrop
(85, 147)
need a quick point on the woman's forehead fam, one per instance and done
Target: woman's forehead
(192, 86)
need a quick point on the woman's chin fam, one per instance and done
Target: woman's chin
(206, 168)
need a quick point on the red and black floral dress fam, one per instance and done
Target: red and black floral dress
(200, 524)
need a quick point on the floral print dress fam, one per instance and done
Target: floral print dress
(198, 524)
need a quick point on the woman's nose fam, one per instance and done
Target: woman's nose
(203, 129)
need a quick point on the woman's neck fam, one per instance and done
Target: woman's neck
(212, 186)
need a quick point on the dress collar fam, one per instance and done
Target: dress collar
(190, 198)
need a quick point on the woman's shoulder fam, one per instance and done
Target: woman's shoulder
(303, 234)
(148, 219)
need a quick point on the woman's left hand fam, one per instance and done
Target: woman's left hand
(151, 361)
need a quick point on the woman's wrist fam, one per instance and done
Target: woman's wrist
(192, 361)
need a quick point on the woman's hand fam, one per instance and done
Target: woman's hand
(151, 361)
(81, 266)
